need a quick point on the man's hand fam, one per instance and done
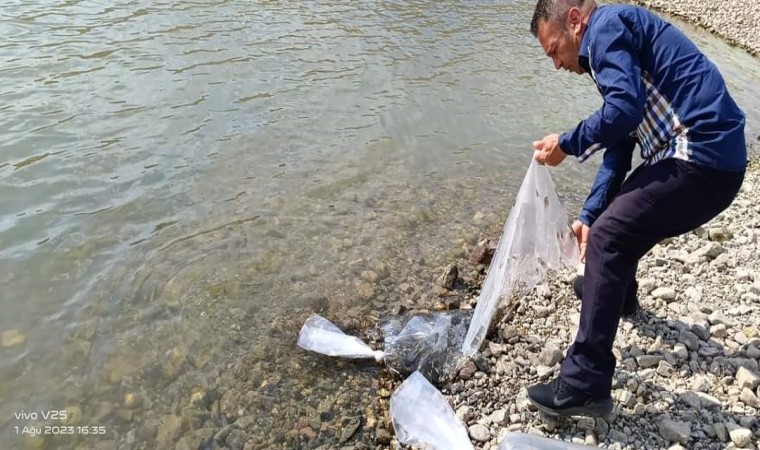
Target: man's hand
(548, 151)
(581, 232)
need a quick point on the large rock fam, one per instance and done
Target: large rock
(666, 293)
(673, 431)
(741, 437)
(747, 379)
(480, 433)
(550, 355)
(711, 250)
(483, 252)
(689, 339)
(449, 277)
(749, 398)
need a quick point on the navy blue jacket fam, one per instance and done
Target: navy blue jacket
(659, 92)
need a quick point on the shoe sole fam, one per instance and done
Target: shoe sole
(595, 409)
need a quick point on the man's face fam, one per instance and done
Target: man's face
(561, 42)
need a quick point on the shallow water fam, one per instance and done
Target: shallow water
(183, 182)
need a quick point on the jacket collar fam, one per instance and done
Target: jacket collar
(583, 52)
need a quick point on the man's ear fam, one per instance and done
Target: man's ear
(574, 19)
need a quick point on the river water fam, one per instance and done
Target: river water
(182, 182)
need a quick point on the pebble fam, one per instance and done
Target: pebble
(741, 437)
(13, 338)
(745, 378)
(674, 431)
(480, 433)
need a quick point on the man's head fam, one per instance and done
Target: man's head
(559, 27)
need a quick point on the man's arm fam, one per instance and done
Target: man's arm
(615, 165)
(614, 60)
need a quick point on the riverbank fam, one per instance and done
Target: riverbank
(736, 21)
(687, 365)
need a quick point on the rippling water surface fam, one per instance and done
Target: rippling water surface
(183, 182)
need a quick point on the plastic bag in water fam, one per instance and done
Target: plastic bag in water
(536, 238)
(522, 441)
(320, 335)
(421, 415)
(430, 343)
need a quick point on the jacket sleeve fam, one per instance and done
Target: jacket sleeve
(616, 69)
(609, 179)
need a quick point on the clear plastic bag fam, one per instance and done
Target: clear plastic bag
(430, 343)
(523, 441)
(320, 335)
(536, 238)
(421, 415)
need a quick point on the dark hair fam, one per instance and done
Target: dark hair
(548, 10)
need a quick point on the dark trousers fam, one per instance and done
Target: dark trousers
(663, 200)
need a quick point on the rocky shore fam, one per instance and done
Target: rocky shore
(687, 373)
(737, 21)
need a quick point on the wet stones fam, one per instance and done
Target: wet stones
(483, 252)
(13, 338)
(448, 278)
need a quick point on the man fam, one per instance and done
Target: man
(661, 93)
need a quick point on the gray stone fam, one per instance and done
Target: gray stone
(680, 351)
(673, 431)
(719, 234)
(693, 294)
(711, 250)
(708, 401)
(691, 398)
(720, 431)
(689, 339)
(626, 398)
(702, 330)
(550, 355)
(645, 361)
(480, 433)
(717, 318)
(746, 378)
(664, 369)
(747, 422)
(499, 417)
(749, 398)
(464, 413)
(618, 436)
(719, 331)
(700, 383)
(468, 370)
(666, 293)
(741, 437)
(544, 372)
(647, 285)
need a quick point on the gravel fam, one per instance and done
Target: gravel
(737, 21)
(687, 371)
